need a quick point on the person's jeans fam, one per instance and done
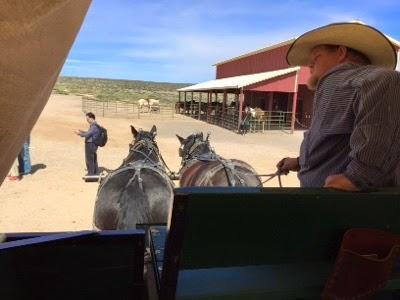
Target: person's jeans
(91, 158)
(24, 158)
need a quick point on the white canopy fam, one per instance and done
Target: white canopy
(237, 82)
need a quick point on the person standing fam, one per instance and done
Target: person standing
(90, 146)
(245, 124)
(24, 158)
(13, 174)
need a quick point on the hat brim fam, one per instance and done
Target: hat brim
(363, 38)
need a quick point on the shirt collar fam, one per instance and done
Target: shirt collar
(342, 66)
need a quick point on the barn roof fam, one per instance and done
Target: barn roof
(237, 82)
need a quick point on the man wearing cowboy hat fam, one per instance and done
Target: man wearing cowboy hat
(354, 140)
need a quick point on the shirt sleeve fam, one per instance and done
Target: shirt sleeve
(375, 140)
(89, 133)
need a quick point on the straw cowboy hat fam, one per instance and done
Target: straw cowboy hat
(356, 35)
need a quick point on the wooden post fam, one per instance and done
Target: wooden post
(241, 101)
(208, 105)
(223, 108)
(179, 103)
(191, 106)
(200, 96)
(270, 100)
(294, 105)
(184, 103)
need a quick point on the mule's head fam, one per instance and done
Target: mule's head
(141, 135)
(193, 146)
(143, 145)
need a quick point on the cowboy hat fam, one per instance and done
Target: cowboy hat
(358, 36)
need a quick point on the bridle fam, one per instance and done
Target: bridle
(140, 146)
(152, 147)
(195, 150)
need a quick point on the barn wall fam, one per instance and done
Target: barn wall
(274, 59)
(283, 83)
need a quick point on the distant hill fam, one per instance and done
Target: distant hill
(121, 90)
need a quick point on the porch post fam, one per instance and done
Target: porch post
(294, 106)
(191, 106)
(200, 96)
(241, 101)
(208, 104)
(184, 104)
(177, 106)
(224, 104)
(270, 100)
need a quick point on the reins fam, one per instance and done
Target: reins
(271, 176)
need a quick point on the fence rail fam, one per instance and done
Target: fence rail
(229, 117)
(120, 109)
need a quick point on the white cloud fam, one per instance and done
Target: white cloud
(181, 40)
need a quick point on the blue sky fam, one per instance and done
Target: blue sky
(179, 41)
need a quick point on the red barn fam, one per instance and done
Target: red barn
(262, 80)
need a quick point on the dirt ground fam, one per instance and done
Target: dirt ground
(55, 197)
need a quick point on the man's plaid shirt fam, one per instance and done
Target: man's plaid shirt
(355, 129)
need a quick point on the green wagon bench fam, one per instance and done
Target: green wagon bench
(251, 243)
(73, 265)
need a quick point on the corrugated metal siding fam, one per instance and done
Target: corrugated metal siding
(274, 59)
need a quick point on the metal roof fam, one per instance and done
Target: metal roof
(237, 82)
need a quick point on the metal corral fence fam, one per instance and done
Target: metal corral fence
(229, 118)
(121, 109)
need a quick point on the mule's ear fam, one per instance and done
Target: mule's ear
(153, 130)
(134, 131)
(181, 139)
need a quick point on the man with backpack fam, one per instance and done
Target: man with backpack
(92, 137)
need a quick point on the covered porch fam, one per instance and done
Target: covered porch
(275, 97)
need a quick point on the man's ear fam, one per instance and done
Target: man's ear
(342, 53)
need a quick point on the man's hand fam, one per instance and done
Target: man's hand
(78, 132)
(340, 182)
(288, 164)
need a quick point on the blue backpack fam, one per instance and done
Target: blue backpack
(101, 138)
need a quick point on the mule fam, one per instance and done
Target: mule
(201, 166)
(139, 191)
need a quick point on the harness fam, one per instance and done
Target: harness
(194, 154)
(146, 163)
